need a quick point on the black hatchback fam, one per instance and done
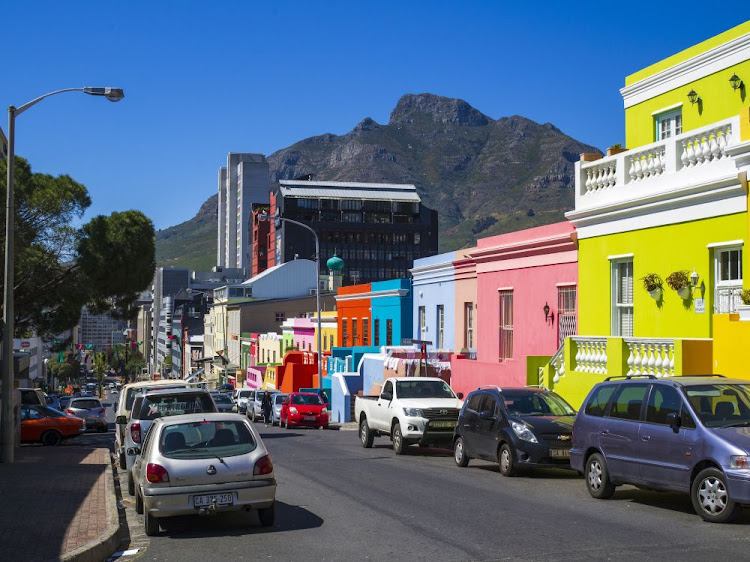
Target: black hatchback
(515, 427)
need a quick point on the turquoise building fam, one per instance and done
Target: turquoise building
(391, 303)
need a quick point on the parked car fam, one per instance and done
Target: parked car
(687, 434)
(47, 425)
(223, 402)
(320, 392)
(242, 397)
(32, 396)
(303, 409)
(278, 401)
(91, 410)
(515, 427)
(257, 402)
(410, 410)
(157, 404)
(219, 461)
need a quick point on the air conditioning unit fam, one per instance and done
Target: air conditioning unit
(312, 292)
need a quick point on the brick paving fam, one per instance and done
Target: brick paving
(54, 500)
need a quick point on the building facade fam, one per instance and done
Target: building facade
(96, 331)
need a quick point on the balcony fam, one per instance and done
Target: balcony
(684, 163)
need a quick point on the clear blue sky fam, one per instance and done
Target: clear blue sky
(206, 78)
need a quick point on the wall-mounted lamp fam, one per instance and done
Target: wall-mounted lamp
(548, 316)
(694, 279)
(693, 97)
(736, 82)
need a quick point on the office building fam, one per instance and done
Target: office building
(96, 331)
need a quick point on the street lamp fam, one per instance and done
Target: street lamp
(277, 222)
(6, 414)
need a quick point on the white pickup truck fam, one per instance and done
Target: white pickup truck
(410, 410)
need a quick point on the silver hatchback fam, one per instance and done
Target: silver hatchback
(203, 464)
(91, 410)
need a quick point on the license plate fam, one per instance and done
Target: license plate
(443, 424)
(208, 499)
(310, 418)
(560, 453)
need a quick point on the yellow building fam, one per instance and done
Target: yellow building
(270, 349)
(670, 209)
(328, 330)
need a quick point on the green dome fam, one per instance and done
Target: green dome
(335, 263)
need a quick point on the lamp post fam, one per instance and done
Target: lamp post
(277, 221)
(6, 414)
(204, 297)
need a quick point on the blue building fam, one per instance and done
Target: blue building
(392, 314)
(434, 302)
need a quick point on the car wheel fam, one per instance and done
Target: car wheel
(267, 516)
(131, 484)
(150, 524)
(52, 438)
(123, 462)
(399, 446)
(711, 498)
(287, 424)
(597, 478)
(505, 460)
(138, 504)
(459, 453)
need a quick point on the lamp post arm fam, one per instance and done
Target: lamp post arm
(33, 102)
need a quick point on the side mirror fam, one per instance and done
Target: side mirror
(460, 395)
(674, 421)
(134, 450)
(121, 420)
(386, 396)
(486, 415)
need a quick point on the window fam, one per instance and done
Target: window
(440, 325)
(506, 324)
(728, 266)
(668, 124)
(475, 401)
(354, 332)
(422, 326)
(627, 404)
(389, 332)
(388, 387)
(666, 400)
(469, 325)
(344, 333)
(488, 404)
(376, 332)
(274, 356)
(622, 298)
(280, 316)
(566, 313)
(365, 331)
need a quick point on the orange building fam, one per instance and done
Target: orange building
(298, 370)
(354, 315)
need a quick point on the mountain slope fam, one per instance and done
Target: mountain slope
(484, 176)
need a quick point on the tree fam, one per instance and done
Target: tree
(60, 267)
(100, 368)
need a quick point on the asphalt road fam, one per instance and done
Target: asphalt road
(338, 501)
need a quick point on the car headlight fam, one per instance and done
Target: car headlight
(323, 412)
(413, 412)
(739, 461)
(292, 410)
(523, 432)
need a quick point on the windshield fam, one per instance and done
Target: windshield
(222, 399)
(85, 404)
(245, 394)
(174, 405)
(423, 389)
(307, 400)
(528, 403)
(206, 439)
(721, 405)
(279, 398)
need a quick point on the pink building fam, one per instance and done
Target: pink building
(304, 334)
(526, 305)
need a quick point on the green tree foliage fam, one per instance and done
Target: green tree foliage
(100, 368)
(60, 267)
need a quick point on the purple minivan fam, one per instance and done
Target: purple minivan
(688, 434)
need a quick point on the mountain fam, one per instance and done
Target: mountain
(484, 176)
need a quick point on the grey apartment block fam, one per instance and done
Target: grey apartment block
(100, 331)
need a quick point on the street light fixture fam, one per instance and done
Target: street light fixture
(6, 412)
(277, 219)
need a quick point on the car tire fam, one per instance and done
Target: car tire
(399, 446)
(459, 453)
(505, 460)
(139, 504)
(150, 524)
(711, 499)
(123, 462)
(52, 438)
(366, 436)
(267, 515)
(597, 478)
(131, 484)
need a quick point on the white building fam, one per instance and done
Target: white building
(32, 347)
(95, 331)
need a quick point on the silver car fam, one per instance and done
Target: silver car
(255, 407)
(203, 464)
(91, 410)
(278, 400)
(223, 402)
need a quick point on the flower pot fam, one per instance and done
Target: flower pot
(744, 311)
(656, 294)
(684, 293)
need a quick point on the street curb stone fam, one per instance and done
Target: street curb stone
(105, 544)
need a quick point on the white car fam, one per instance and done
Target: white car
(203, 464)
(241, 397)
(278, 400)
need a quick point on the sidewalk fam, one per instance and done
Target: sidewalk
(58, 503)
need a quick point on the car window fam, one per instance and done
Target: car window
(488, 403)
(599, 399)
(147, 439)
(474, 401)
(662, 401)
(33, 414)
(388, 387)
(720, 404)
(50, 412)
(206, 440)
(157, 406)
(245, 394)
(221, 399)
(279, 399)
(307, 400)
(532, 403)
(423, 389)
(88, 404)
(628, 401)
(137, 404)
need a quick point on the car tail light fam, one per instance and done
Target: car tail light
(102, 411)
(135, 432)
(69, 411)
(156, 473)
(263, 466)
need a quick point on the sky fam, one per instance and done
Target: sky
(202, 79)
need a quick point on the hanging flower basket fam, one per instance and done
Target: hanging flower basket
(744, 308)
(653, 284)
(680, 281)
(656, 294)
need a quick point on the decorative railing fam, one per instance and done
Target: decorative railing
(591, 354)
(705, 146)
(647, 163)
(558, 364)
(726, 299)
(650, 357)
(601, 174)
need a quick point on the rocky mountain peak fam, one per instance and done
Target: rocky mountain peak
(441, 110)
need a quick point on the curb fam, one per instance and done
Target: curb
(105, 544)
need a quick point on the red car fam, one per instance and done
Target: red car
(40, 423)
(304, 409)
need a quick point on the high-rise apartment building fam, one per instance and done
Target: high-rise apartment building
(245, 181)
(99, 332)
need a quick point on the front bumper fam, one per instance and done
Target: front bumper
(299, 421)
(173, 501)
(538, 455)
(428, 432)
(738, 485)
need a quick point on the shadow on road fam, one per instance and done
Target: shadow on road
(266, 436)
(288, 518)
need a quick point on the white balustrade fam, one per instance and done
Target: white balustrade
(591, 355)
(706, 146)
(558, 364)
(601, 175)
(650, 357)
(647, 164)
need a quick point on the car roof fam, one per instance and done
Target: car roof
(684, 380)
(402, 379)
(177, 390)
(206, 416)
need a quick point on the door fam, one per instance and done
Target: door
(662, 451)
(382, 412)
(619, 432)
(468, 422)
(488, 424)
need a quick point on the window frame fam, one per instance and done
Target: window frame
(440, 319)
(389, 331)
(505, 330)
(469, 325)
(617, 307)
(672, 117)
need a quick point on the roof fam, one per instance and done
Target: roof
(350, 190)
